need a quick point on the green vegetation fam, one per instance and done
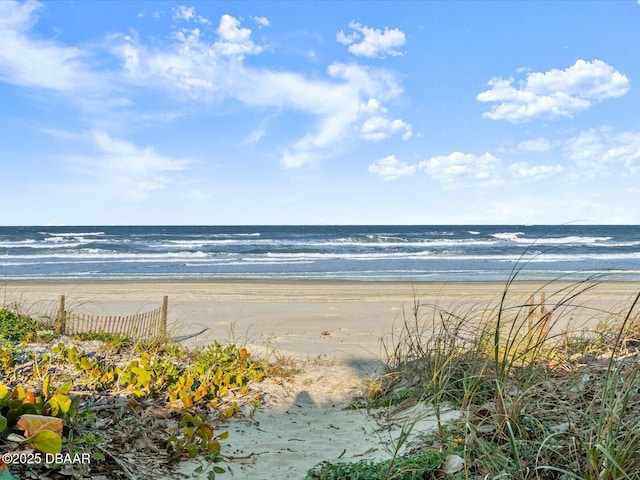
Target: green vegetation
(15, 327)
(189, 389)
(408, 467)
(117, 340)
(533, 404)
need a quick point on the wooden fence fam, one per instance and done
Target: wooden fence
(539, 320)
(140, 327)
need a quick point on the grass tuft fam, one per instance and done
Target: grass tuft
(538, 396)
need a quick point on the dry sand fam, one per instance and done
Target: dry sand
(332, 329)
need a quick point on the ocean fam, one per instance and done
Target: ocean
(368, 253)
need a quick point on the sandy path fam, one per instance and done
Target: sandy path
(304, 421)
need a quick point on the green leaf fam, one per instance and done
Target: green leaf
(26, 408)
(45, 386)
(3, 423)
(59, 403)
(66, 388)
(192, 450)
(4, 392)
(46, 441)
(138, 393)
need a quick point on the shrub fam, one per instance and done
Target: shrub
(15, 327)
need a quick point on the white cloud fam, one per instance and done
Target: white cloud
(389, 168)
(193, 64)
(378, 128)
(370, 42)
(297, 159)
(602, 151)
(125, 170)
(524, 171)
(336, 104)
(41, 63)
(18, 15)
(234, 40)
(187, 14)
(463, 169)
(553, 94)
(184, 13)
(255, 135)
(348, 101)
(261, 21)
(372, 105)
(537, 145)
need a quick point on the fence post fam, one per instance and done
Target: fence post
(163, 319)
(61, 317)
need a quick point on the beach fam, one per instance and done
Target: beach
(341, 319)
(333, 330)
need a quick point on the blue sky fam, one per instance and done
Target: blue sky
(319, 112)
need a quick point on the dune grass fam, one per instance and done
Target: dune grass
(538, 396)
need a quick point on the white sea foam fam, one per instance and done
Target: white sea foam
(18, 244)
(511, 236)
(73, 234)
(570, 240)
(448, 252)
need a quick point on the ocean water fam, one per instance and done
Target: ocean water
(412, 253)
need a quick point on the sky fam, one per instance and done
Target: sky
(257, 113)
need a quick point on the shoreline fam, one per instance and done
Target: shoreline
(345, 320)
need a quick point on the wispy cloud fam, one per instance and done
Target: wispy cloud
(40, 62)
(553, 94)
(459, 169)
(187, 14)
(198, 66)
(261, 21)
(372, 42)
(540, 144)
(218, 70)
(123, 170)
(603, 151)
(525, 171)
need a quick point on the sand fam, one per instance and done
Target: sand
(331, 329)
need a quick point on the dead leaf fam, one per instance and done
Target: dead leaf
(33, 424)
(453, 464)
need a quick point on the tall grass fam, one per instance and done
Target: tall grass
(534, 403)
